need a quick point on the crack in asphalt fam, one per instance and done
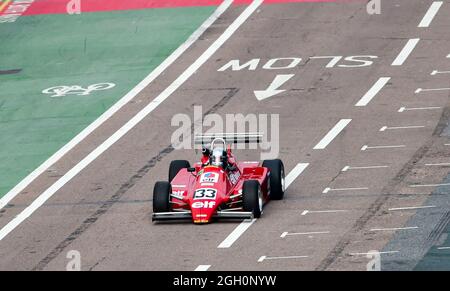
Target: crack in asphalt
(88, 222)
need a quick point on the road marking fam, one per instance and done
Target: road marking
(429, 185)
(435, 72)
(384, 128)
(346, 168)
(440, 164)
(406, 51)
(431, 13)
(394, 228)
(420, 90)
(132, 122)
(273, 87)
(202, 268)
(366, 147)
(364, 254)
(328, 189)
(284, 234)
(116, 107)
(402, 109)
(322, 211)
(447, 144)
(243, 226)
(263, 258)
(448, 56)
(411, 208)
(299, 168)
(332, 134)
(443, 248)
(376, 88)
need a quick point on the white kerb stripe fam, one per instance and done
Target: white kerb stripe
(132, 122)
(116, 107)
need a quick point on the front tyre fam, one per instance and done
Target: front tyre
(161, 197)
(252, 198)
(176, 166)
(277, 181)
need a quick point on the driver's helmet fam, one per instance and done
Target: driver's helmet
(218, 157)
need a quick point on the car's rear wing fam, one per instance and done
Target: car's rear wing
(252, 137)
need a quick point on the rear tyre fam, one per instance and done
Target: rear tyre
(277, 182)
(176, 166)
(252, 198)
(161, 197)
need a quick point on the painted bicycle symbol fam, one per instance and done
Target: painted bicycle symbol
(61, 91)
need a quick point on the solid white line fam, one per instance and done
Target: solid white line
(363, 254)
(384, 128)
(299, 168)
(328, 189)
(132, 122)
(366, 147)
(376, 88)
(202, 268)
(243, 226)
(440, 164)
(332, 134)
(417, 108)
(346, 168)
(429, 185)
(431, 13)
(284, 234)
(394, 229)
(322, 211)
(263, 258)
(406, 51)
(411, 208)
(116, 107)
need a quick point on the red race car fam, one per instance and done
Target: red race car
(219, 186)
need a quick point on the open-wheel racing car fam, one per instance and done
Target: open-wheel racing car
(218, 186)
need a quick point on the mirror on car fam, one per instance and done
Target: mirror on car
(191, 170)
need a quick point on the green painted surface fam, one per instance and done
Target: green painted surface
(120, 47)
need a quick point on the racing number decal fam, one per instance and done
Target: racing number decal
(206, 193)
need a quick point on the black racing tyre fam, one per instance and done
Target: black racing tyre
(277, 183)
(176, 166)
(252, 198)
(161, 197)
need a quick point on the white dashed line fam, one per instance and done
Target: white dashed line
(202, 268)
(371, 253)
(284, 234)
(384, 128)
(443, 248)
(322, 211)
(420, 90)
(435, 72)
(439, 164)
(402, 109)
(328, 138)
(395, 228)
(431, 13)
(346, 168)
(376, 88)
(264, 258)
(328, 189)
(243, 226)
(429, 185)
(366, 147)
(406, 51)
(411, 208)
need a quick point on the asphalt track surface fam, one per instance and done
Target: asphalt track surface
(331, 217)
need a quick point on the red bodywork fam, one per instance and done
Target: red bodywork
(211, 189)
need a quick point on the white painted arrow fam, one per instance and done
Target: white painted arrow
(273, 88)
